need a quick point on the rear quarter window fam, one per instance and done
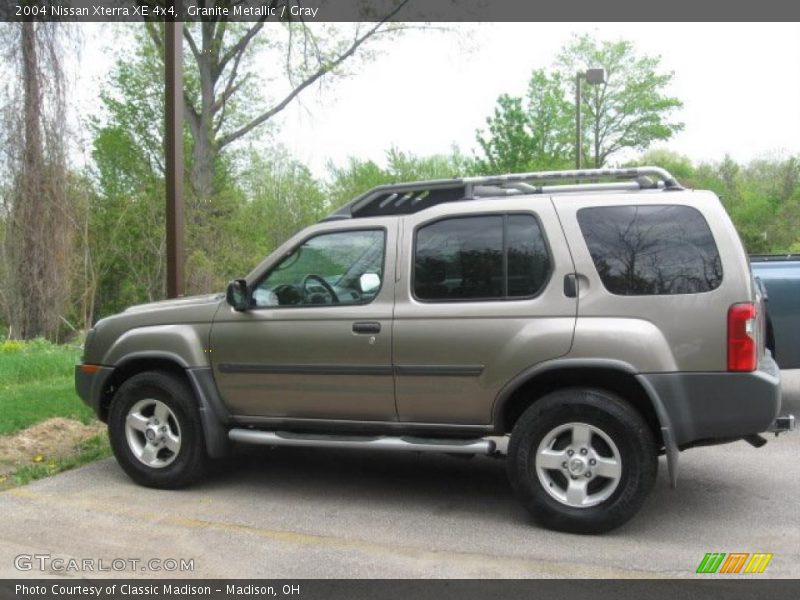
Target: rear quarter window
(651, 250)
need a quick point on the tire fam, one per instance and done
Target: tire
(176, 455)
(550, 462)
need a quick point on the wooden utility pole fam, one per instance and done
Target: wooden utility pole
(173, 122)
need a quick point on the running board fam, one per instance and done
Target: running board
(414, 444)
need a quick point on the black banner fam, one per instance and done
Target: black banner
(400, 10)
(382, 589)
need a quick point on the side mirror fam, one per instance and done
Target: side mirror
(236, 295)
(369, 282)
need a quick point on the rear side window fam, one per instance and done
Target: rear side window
(651, 250)
(494, 257)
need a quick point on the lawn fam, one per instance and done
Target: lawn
(36, 394)
(36, 383)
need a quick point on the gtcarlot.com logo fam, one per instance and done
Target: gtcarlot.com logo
(46, 562)
(734, 563)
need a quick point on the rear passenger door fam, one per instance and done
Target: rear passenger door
(479, 298)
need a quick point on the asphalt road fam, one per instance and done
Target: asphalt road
(298, 513)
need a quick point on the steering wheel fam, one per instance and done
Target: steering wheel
(323, 283)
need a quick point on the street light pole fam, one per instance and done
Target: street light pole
(595, 77)
(578, 129)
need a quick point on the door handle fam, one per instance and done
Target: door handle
(570, 285)
(366, 327)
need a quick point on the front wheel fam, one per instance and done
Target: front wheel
(155, 431)
(582, 461)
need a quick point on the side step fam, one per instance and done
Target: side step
(414, 444)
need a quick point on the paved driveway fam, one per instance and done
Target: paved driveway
(290, 513)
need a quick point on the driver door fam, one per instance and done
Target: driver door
(316, 343)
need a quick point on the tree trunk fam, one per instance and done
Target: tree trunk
(204, 151)
(26, 240)
(204, 157)
(39, 237)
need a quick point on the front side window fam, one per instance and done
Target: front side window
(651, 250)
(344, 267)
(494, 257)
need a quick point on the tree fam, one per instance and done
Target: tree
(232, 88)
(629, 111)
(124, 243)
(359, 176)
(530, 133)
(221, 99)
(39, 221)
(284, 197)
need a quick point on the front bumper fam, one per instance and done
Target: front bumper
(90, 385)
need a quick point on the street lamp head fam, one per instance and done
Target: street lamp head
(595, 76)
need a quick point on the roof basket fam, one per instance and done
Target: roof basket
(405, 198)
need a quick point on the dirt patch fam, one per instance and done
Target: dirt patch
(50, 439)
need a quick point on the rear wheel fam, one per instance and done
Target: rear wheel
(582, 461)
(155, 431)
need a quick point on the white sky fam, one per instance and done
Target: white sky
(740, 84)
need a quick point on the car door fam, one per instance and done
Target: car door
(317, 341)
(480, 297)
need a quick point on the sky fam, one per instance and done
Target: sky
(430, 90)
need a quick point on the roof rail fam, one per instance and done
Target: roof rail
(405, 198)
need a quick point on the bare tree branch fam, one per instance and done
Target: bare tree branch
(187, 34)
(309, 80)
(238, 47)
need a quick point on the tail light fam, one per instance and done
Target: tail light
(742, 346)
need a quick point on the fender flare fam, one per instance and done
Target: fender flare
(665, 423)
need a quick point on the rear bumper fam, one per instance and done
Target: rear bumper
(90, 386)
(718, 406)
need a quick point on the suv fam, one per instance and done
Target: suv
(598, 324)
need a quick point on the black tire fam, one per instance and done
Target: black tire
(189, 463)
(601, 410)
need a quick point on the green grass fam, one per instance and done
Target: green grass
(89, 450)
(37, 383)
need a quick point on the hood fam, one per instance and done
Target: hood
(187, 301)
(192, 309)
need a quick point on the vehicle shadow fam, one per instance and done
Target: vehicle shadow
(475, 488)
(373, 478)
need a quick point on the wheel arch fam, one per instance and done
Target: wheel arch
(133, 364)
(614, 376)
(199, 379)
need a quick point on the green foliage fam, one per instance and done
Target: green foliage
(133, 99)
(762, 197)
(679, 165)
(357, 176)
(126, 223)
(531, 133)
(283, 197)
(628, 111)
(36, 383)
(353, 179)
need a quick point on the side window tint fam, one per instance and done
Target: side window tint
(460, 259)
(528, 263)
(492, 257)
(651, 250)
(344, 267)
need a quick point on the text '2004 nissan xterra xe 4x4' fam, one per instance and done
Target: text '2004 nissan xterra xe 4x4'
(599, 324)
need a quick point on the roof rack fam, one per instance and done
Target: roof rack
(406, 198)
